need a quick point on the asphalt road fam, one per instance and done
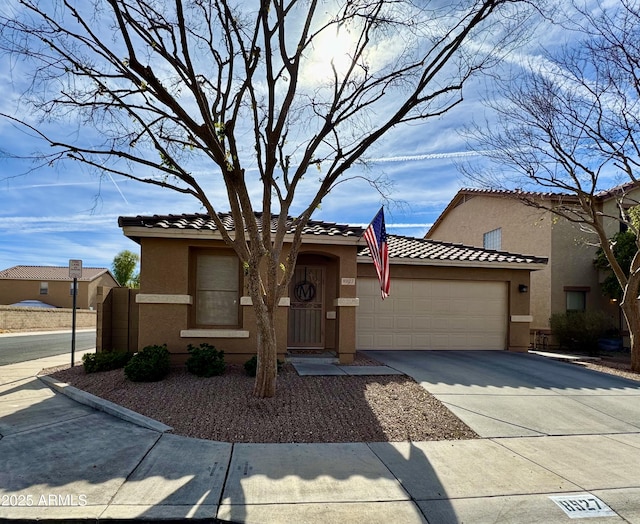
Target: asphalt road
(18, 348)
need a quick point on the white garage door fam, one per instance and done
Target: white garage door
(432, 314)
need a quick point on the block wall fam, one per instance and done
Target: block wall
(38, 319)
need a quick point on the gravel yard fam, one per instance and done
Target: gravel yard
(613, 367)
(305, 409)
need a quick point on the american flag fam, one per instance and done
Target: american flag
(376, 237)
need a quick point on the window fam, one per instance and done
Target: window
(217, 294)
(44, 288)
(576, 300)
(71, 289)
(492, 239)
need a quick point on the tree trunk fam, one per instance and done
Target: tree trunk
(635, 354)
(633, 322)
(632, 317)
(267, 371)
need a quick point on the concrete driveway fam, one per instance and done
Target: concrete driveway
(502, 394)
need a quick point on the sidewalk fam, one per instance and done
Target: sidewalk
(61, 459)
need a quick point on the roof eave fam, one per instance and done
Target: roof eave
(453, 203)
(136, 233)
(529, 266)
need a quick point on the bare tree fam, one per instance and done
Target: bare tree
(219, 86)
(569, 124)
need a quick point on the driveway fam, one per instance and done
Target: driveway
(503, 394)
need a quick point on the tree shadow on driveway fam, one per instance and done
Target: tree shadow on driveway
(503, 394)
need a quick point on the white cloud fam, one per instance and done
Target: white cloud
(29, 225)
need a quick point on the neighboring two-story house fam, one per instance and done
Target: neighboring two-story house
(502, 221)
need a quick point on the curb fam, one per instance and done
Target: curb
(563, 357)
(106, 406)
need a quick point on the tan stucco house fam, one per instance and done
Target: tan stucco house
(443, 296)
(497, 219)
(52, 285)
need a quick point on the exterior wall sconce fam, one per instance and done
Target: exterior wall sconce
(523, 288)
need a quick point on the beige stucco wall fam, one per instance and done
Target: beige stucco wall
(572, 255)
(612, 226)
(117, 325)
(525, 230)
(164, 271)
(59, 291)
(59, 295)
(104, 280)
(611, 211)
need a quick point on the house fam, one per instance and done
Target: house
(52, 285)
(496, 219)
(443, 296)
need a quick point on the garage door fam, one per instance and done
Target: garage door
(432, 314)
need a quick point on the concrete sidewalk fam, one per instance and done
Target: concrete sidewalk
(60, 459)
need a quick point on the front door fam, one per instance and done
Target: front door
(306, 311)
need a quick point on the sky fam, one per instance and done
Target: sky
(50, 215)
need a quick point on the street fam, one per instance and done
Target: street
(22, 347)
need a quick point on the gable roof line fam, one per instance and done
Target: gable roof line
(503, 193)
(510, 193)
(618, 190)
(25, 272)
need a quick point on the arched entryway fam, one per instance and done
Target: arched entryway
(311, 323)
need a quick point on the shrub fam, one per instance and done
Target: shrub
(251, 366)
(149, 365)
(205, 361)
(579, 330)
(105, 361)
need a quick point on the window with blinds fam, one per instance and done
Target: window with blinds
(217, 295)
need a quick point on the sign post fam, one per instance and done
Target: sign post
(75, 272)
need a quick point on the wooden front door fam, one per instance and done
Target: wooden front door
(306, 311)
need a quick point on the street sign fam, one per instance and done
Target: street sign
(75, 272)
(75, 268)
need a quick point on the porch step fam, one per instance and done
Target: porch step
(312, 358)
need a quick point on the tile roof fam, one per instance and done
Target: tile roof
(49, 273)
(514, 192)
(619, 190)
(401, 247)
(199, 222)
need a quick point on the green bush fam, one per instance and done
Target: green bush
(149, 365)
(105, 361)
(205, 361)
(579, 330)
(251, 366)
